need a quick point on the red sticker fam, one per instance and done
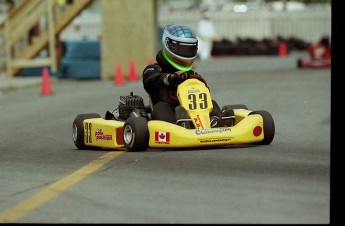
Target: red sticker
(162, 137)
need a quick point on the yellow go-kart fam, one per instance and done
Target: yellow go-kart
(130, 125)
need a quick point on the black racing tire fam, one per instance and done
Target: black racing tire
(78, 129)
(269, 126)
(235, 106)
(136, 134)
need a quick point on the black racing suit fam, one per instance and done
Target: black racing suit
(163, 97)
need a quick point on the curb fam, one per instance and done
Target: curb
(13, 84)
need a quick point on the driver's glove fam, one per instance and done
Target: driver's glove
(176, 78)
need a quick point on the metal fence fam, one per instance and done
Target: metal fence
(308, 25)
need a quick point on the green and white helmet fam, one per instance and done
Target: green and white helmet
(180, 46)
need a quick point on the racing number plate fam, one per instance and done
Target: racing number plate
(195, 97)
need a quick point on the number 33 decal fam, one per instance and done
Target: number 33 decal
(88, 136)
(194, 99)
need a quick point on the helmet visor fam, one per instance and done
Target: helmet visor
(182, 49)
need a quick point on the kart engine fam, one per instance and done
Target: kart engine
(128, 103)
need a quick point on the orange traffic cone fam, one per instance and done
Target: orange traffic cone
(46, 84)
(118, 78)
(132, 76)
(282, 49)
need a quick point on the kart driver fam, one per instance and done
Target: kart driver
(174, 65)
(321, 50)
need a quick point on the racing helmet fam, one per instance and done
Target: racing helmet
(180, 46)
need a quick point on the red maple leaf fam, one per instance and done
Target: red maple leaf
(161, 136)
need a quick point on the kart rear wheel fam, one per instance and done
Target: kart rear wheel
(269, 127)
(136, 134)
(78, 129)
(235, 106)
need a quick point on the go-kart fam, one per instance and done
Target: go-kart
(320, 57)
(314, 63)
(131, 127)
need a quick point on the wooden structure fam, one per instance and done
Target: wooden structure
(23, 54)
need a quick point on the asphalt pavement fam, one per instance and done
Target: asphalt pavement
(48, 180)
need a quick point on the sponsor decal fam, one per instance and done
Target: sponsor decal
(193, 90)
(162, 137)
(101, 136)
(215, 140)
(208, 131)
(198, 122)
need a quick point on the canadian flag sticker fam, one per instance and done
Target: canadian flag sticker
(162, 137)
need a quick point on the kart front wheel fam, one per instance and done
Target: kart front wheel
(78, 129)
(136, 134)
(269, 127)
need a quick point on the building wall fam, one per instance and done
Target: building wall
(129, 32)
